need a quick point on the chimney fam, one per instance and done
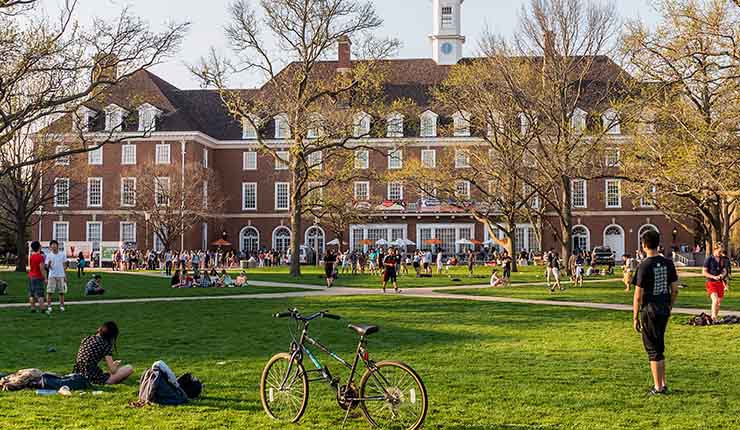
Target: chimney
(105, 68)
(345, 54)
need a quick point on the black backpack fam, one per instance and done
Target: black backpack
(154, 387)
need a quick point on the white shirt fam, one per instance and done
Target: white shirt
(55, 263)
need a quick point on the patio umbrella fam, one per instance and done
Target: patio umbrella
(333, 242)
(399, 242)
(381, 242)
(463, 242)
(366, 242)
(433, 242)
(221, 242)
(408, 242)
(475, 242)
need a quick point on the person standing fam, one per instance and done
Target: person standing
(630, 265)
(555, 270)
(439, 261)
(656, 289)
(715, 273)
(168, 263)
(548, 265)
(580, 260)
(57, 280)
(80, 265)
(506, 263)
(330, 260)
(389, 272)
(471, 262)
(36, 277)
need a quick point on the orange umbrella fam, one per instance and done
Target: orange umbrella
(475, 242)
(367, 242)
(433, 242)
(221, 242)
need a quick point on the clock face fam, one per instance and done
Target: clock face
(447, 48)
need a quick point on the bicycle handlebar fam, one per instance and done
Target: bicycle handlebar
(293, 313)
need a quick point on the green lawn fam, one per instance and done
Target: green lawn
(693, 295)
(485, 365)
(122, 286)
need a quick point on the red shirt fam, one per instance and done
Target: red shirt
(35, 263)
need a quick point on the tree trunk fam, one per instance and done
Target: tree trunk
(21, 248)
(295, 227)
(566, 221)
(511, 246)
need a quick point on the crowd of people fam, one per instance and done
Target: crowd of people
(207, 279)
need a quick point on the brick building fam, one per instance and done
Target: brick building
(194, 126)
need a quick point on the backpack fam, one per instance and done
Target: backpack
(154, 387)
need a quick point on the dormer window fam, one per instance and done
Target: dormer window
(82, 119)
(114, 117)
(610, 122)
(428, 124)
(578, 119)
(148, 115)
(282, 127)
(361, 125)
(394, 125)
(249, 131)
(315, 128)
(461, 123)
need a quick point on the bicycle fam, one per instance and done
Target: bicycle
(390, 393)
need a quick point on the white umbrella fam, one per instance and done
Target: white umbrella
(381, 242)
(333, 242)
(399, 242)
(408, 242)
(463, 242)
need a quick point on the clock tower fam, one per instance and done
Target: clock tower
(447, 42)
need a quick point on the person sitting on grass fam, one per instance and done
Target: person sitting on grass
(241, 280)
(215, 280)
(205, 281)
(94, 349)
(175, 280)
(186, 281)
(226, 280)
(93, 287)
(496, 281)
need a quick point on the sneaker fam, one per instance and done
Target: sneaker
(61, 308)
(48, 310)
(664, 390)
(653, 392)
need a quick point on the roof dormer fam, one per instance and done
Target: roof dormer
(394, 123)
(461, 123)
(249, 128)
(148, 115)
(82, 119)
(282, 126)
(315, 126)
(115, 117)
(428, 124)
(578, 119)
(361, 123)
(610, 121)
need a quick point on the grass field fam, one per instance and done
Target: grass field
(486, 366)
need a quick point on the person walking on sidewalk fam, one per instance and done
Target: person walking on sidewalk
(57, 281)
(656, 289)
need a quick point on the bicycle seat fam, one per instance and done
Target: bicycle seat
(364, 329)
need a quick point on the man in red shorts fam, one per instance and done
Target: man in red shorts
(36, 277)
(715, 274)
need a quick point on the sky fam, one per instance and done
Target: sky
(410, 21)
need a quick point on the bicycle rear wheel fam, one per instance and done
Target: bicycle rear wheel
(288, 403)
(404, 401)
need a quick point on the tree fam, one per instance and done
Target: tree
(686, 154)
(170, 199)
(318, 101)
(47, 65)
(532, 93)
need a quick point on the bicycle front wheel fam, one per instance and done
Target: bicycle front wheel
(284, 388)
(395, 396)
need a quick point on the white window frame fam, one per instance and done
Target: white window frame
(87, 230)
(57, 203)
(115, 117)
(148, 115)
(282, 126)
(400, 188)
(578, 119)
(394, 125)
(315, 129)
(279, 185)
(246, 207)
(645, 204)
(64, 160)
(315, 160)
(613, 151)
(462, 159)
(366, 185)
(534, 202)
(361, 125)
(619, 193)
(131, 147)
(81, 119)
(573, 193)
(247, 162)
(362, 162)
(395, 155)
(55, 231)
(123, 193)
(163, 153)
(610, 122)
(282, 160)
(466, 192)
(250, 132)
(433, 161)
(428, 124)
(461, 124)
(205, 157)
(90, 202)
(95, 157)
(120, 231)
(162, 183)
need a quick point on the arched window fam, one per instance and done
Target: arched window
(642, 230)
(281, 239)
(315, 239)
(249, 240)
(614, 239)
(428, 126)
(581, 238)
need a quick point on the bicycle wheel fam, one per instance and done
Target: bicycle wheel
(289, 402)
(405, 401)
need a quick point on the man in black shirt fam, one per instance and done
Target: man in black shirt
(389, 272)
(656, 289)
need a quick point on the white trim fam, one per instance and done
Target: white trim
(279, 119)
(359, 127)
(639, 233)
(120, 230)
(323, 235)
(396, 154)
(434, 158)
(394, 125)
(435, 226)
(56, 204)
(585, 193)
(428, 115)
(287, 185)
(87, 230)
(89, 194)
(588, 236)
(248, 131)
(461, 124)
(388, 190)
(132, 146)
(123, 179)
(160, 150)
(275, 230)
(159, 185)
(365, 227)
(244, 207)
(241, 236)
(466, 159)
(606, 193)
(245, 164)
(91, 154)
(354, 190)
(624, 237)
(282, 160)
(54, 235)
(148, 123)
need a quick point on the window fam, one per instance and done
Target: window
(613, 193)
(114, 117)
(282, 158)
(282, 196)
(362, 159)
(282, 127)
(462, 159)
(249, 160)
(162, 153)
(394, 125)
(95, 157)
(581, 240)
(578, 193)
(314, 160)
(462, 190)
(128, 192)
(148, 115)
(63, 160)
(162, 191)
(395, 191)
(249, 196)
(612, 157)
(361, 125)
(428, 126)
(395, 159)
(128, 154)
(60, 232)
(315, 128)
(447, 21)
(249, 239)
(205, 158)
(94, 192)
(534, 198)
(249, 131)
(461, 124)
(61, 192)
(281, 239)
(495, 123)
(128, 232)
(94, 232)
(578, 119)
(524, 123)
(649, 202)
(610, 122)
(362, 191)
(82, 119)
(429, 158)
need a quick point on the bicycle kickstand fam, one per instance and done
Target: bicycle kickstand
(346, 415)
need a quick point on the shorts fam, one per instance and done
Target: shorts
(654, 321)
(56, 285)
(555, 272)
(426, 265)
(36, 288)
(627, 277)
(579, 271)
(716, 287)
(389, 275)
